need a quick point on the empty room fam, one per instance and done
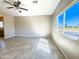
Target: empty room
(39, 29)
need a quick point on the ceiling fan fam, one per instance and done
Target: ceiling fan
(15, 4)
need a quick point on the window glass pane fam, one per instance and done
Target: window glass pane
(72, 17)
(1, 24)
(72, 22)
(60, 22)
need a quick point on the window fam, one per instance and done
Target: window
(69, 22)
(1, 24)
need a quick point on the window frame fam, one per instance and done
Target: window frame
(64, 18)
(63, 11)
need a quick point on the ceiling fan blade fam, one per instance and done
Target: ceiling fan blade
(9, 7)
(7, 2)
(23, 8)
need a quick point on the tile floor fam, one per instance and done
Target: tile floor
(29, 48)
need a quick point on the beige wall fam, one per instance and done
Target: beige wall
(9, 28)
(69, 48)
(32, 26)
(36, 26)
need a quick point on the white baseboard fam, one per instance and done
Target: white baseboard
(26, 36)
(9, 36)
(32, 36)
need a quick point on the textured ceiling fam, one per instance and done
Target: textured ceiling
(43, 7)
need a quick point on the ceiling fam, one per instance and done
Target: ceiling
(43, 7)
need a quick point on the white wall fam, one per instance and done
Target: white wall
(9, 28)
(33, 26)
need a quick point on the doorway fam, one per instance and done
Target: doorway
(1, 27)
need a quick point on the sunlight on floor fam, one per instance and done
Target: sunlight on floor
(43, 45)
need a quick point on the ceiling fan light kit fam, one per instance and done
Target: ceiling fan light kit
(35, 1)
